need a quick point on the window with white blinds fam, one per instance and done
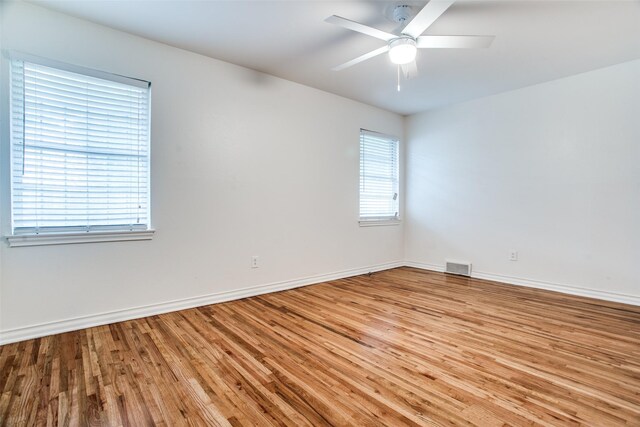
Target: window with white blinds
(378, 176)
(79, 150)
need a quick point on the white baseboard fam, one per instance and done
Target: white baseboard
(60, 326)
(538, 284)
(425, 266)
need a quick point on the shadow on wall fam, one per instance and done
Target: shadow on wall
(257, 78)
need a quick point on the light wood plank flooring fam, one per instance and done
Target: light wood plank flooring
(400, 347)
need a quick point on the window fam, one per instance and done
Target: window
(79, 150)
(378, 177)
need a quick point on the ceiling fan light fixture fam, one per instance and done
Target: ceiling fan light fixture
(402, 50)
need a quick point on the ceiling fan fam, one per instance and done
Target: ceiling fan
(403, 47)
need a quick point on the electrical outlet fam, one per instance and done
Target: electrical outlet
(513, 256)
(255, 261)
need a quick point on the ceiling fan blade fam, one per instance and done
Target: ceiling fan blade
(361, 58)
(426, 17)
(410, 70)
(361, 28)
(455, 42)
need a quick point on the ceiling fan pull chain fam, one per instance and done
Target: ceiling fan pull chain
(398, 78)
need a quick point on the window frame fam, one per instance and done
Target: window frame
(70, 234)
(379, 221)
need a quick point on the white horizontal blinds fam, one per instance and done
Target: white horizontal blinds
(378, 176)
(80, 151)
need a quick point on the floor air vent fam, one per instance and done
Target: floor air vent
(459, 268)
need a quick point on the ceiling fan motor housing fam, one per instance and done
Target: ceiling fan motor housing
(402, 13)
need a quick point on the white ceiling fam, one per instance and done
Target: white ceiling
(536, 41)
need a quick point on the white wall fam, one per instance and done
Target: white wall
(242, 164)
(552, 171)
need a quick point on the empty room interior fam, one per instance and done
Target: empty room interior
(319, 213)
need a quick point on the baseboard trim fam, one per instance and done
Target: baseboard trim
(538, 284)
(558, 287)
(67, 325)
(425, 266)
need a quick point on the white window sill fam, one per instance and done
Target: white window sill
(69, 238)
(378, 222)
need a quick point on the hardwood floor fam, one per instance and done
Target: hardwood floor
(400, 347)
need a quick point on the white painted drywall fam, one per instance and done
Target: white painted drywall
(552, 171)
(242, 164)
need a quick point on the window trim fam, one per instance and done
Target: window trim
(71, 235)
(380, 221)
(64, 238)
